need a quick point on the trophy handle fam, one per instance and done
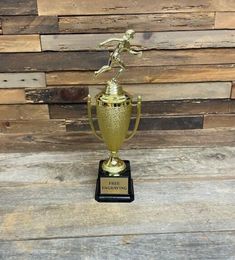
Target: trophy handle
(90, 118)
(137, 121)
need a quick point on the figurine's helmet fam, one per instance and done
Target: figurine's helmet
(130, 34)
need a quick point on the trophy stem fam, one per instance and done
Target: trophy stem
(114, 165)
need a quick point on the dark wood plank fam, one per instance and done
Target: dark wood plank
(18, 7)
(197, 245)
(162, 74)
(56, 95)
(148, 123)
(139, 23)
(52, 61)
(213, 121)
(233, 91)
(225, 20)
(0, 26)
(172, 107)
(29, 24)
(24, 112)
(144, 41)
(86, 7)
(142, 140)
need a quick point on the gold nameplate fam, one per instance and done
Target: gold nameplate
(114, 186)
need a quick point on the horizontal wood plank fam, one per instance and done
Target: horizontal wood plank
(32, 126)
(12, 96)
(30, 24)
(0, 26)
(52, 61)
(20, 43)
(56, 95)
(216, 245)
(22, 80)
(139, 23)
(225, 20)
(233, 91)
(142, 140)
(178, 91)
(18, 7)
(164, 74)
(172, 107)
(23, 112)
(213, 121)
(144, 41)
(86, 7)
(147, 123)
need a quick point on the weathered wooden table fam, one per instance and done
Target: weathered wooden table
(184, 206)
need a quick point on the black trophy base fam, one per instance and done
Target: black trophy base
(114, 188)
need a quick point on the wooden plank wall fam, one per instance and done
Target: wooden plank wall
(49, 51)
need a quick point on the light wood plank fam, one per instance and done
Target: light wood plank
(144, 41)
(80, 167)
(18, 7)
(197, 245)
(32, 126)
(24, 112)
(20, 43)
(142, 140)
(178, 91)
(212, 121)
(12, 96)
(168, 206)
(139, 23)
(85, 7)
(133, 75)
(225, 20)
(30, 24)
(22, 80)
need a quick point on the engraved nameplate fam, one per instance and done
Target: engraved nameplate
(114, 185)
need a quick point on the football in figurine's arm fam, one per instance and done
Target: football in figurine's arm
(110, 40)
(138, 53)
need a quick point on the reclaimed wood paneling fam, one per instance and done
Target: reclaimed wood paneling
(142, 140)
(233, 91)
(12, 96)
(213, 121)
(32, 126)
(177, 91)
(85, 7)
(148, 123)
(57, 95)
(145, 41)
(52, 61)
(225, 20)
(22, 80)
(216, 245)
(23, 112)
(18, 7)
(29, 24)
(67, 111)
(164, 74)
(0, 26)
(138, 22)
(20, 43)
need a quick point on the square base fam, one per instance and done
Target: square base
(114, 188)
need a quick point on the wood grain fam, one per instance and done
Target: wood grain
(20, 43)
(52, 61)
(213, 121)
(30, 24)
(217, 245)
(233, 91)
(86, 7)
(142, 140)
(12, 96)
(23, 112)
(178, 91)
(147, 123)
(164, 74)
(22, 80)
(57, 95)
(144, 41)
(0, 26)
(225, 20)
(18, 7)
(32, 126)
(139, 23)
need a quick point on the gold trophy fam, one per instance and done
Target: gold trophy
(114, 109)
